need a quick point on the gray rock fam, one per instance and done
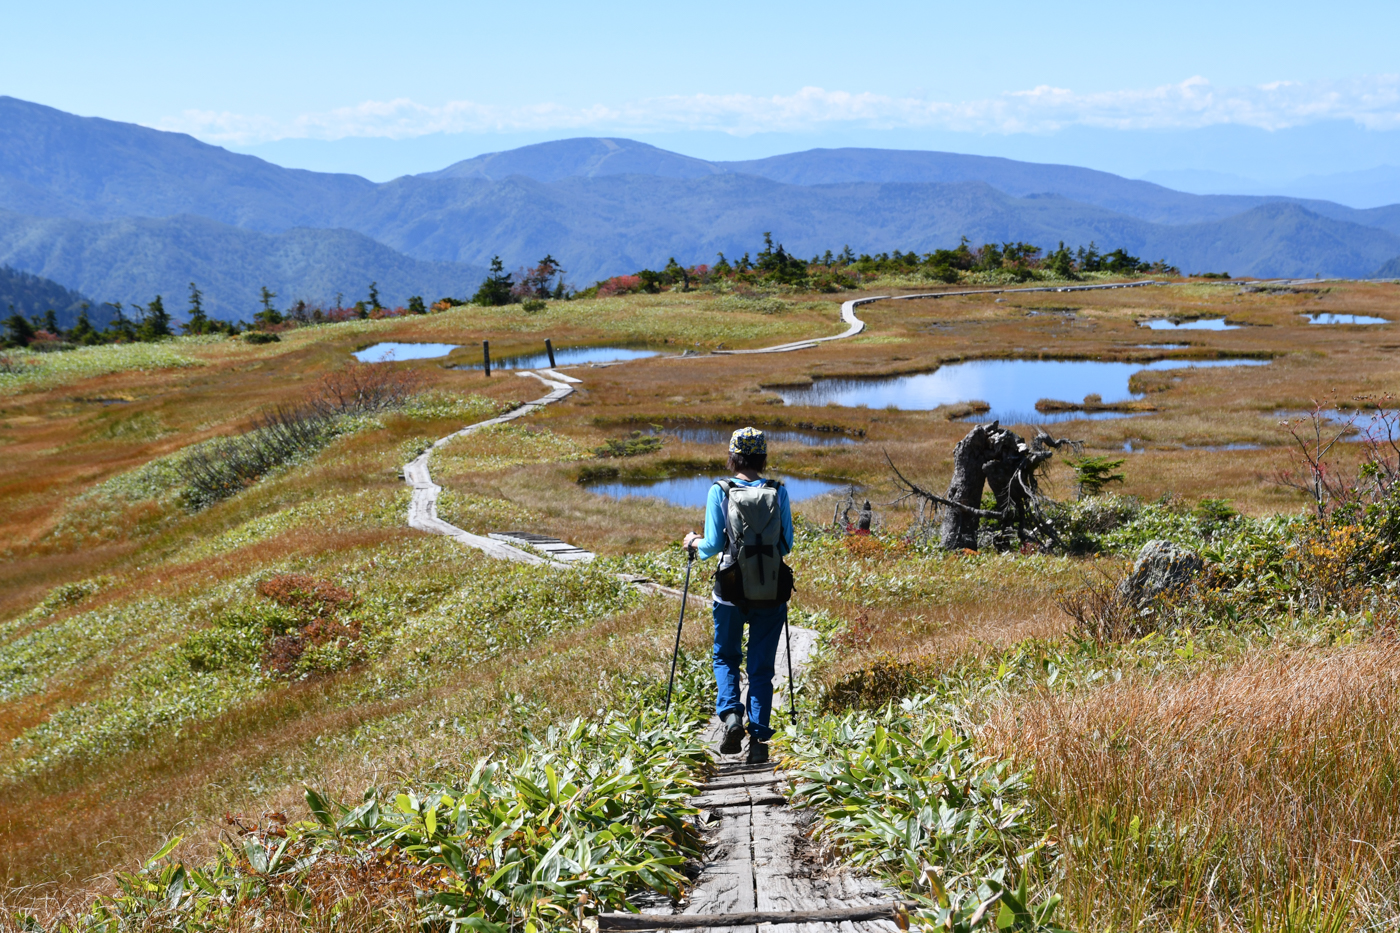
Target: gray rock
(1161, 569)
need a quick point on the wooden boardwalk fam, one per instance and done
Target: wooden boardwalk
(757, 858)
(756, 862)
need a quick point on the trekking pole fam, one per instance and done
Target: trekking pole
(675, 652)
(792, 694)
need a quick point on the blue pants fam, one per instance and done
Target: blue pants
(765, 628)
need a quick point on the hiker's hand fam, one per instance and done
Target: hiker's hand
(691, 539)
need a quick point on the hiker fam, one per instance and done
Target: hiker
(748, 520)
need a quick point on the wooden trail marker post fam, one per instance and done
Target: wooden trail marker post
(549, 349)
(486, 357)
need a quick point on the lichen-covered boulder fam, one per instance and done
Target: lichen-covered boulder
(1161, 569)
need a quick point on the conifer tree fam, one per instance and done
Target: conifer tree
(495, 291)
(51, 323)
(268, 315)
(120, 330)
(82, 331)
(155, 321)
(199, 321)
(18, 329)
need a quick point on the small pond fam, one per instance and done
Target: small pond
(1130, 448)
(716, 434)
(563, 356)
(1368, 424)
(394, 352)
(1330, 318)
(1010, 387)
(1162, 346)
(1213, 323)
(692, 490)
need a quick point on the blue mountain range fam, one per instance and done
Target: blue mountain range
(123, 212)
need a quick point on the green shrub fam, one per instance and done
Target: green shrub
(261, 336)
(1092, 474)
(237, 637)
(632, 445)
(532, 305)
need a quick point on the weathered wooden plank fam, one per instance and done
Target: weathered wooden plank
(756, 800)
(727, 880)
(726, 784)
(746, 918)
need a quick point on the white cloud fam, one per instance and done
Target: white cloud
(1372, 101)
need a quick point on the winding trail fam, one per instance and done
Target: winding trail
(422, 508)
(758, 871)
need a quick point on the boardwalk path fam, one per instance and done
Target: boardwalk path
(757, 860)
(756, 863)
(422, 509)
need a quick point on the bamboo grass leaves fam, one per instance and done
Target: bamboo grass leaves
(571, 824)
(909, 798)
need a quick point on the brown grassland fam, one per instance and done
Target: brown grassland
(121, 727)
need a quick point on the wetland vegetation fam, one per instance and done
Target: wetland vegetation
(484, 740)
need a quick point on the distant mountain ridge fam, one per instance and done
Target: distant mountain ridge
(142, 257)
(121, 211)
(33, 296)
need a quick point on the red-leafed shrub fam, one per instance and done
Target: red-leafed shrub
(320, 604)
(305, 593)
(620, 285)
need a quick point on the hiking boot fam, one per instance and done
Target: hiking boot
(733, 734)
(758, 752)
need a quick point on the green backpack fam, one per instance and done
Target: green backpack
(751, 572)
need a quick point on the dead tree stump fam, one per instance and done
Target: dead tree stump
(991, 455)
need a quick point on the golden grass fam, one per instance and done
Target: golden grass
(1204, 800)
(67, 826)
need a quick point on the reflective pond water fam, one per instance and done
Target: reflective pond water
(720, 433)
(1329, 318)
(1010, 387)
(1130, 448)
(692, 490)
(565, 356)
(387, 352)
(1368, 425)
(1214, 323)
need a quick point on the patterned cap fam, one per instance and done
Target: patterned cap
(748, 441)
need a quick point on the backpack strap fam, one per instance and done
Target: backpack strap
(725, 485)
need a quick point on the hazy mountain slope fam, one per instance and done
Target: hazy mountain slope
(1391, 270)
(1126, 196)
(590, 158)
(609, 225)
(586, 157)
(32, 295)
(1275, 240)
(133, 259)
(613, 224)
(1382, 218)
(55, 164)
(601, 206)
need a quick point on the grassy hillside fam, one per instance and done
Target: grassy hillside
(161, 666)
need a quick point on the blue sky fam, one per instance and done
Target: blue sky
(388, 86)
